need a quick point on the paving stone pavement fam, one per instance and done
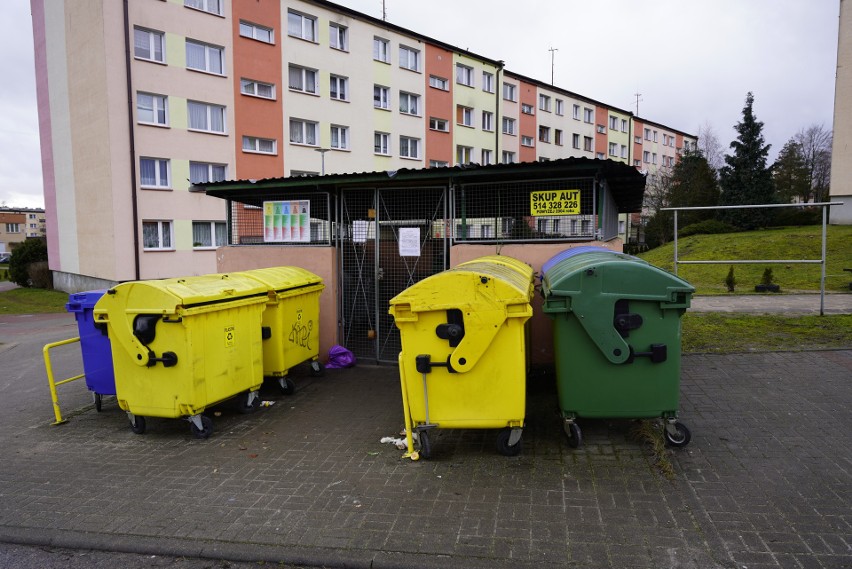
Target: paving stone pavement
(765, 482)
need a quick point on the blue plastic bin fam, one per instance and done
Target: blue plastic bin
(94, 343)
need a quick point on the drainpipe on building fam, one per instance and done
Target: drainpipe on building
(498, 127)
(134, 199)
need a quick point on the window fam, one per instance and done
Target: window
(647, 134)
(488, 121)
(154, 173)
(527, 109)
(527, 141)
(487, 82)
(303, 79)
(544, 102)
(646, 157)
(339, 88)
(409, 147)
(544, 133)
(301, 26)
(601, 129)
(301, 174)
(486, 157)
(613, 149)
(256, 32)
(409, 103)
(211, 6)
(439, 124)
(623, 125)
(575, 141)
(509, 92)
(464, 154)
(623, 151)
(157, 235)
(209, 234)
(576, 112)
(613, 123)
(409, 58)
(655, 136)
(464, 115)
(152, 109)
(340, 137)
(381, 49)
(587, 143)
(508, 157)
(204, 57)
(303, 132)
(438, 164)
(557, 137)
(637, 163)
(508, 125)
(637, 139)
(259, 145)
(381, 97)
(382, 143)
(588, 115)
(13, 228)
(600, 156)
(148, 44)
(203, 172)
(464, 75)
(338, 36)
(257, 88)
(439, 83)
(653, 158)
(206, 117)
(560, 107)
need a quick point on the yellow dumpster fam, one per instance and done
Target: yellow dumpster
(463, 361)
(182, 345)
(290, 321)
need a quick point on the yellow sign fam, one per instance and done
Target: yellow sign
(229, 336)
(555, 202)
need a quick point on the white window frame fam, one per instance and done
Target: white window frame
(159, 105)
(409, 147)
(613, 149)
(488, 121)
(646, 156)
(160, 164)
(647, 134)
(381, 49)
(409, 103)
(560, 107)
(211, 54)
(464, 75)
(508, 157)
(509, 126)
(601, 129)
(465, 116)
(437, 124)
(213, 225)
(304, 73)
(588, 144)
(439, 164)
(210, 108)
(253, 88)
(409, 58)
(304, 127)
(209, 6)
(338, 36)
(544, 102)
(544, 133)
(381, 97)
(487, 82)
(575, 113)
(527, 141)
(486, 156)
(381, 143)
(510, 92)
(211, 172)
(624, 125)
(527, 109)
(165, 232)
(588, 115)
(613, 123)
(558, 137)
(257, 32)
(306, 24)
(338, 83)
(575, 141)
(260, 145)
(154, 39)
(439, 83)
(339, 137)
(623, 151)
(464, 154)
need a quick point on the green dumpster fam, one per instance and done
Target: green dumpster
(616, 338)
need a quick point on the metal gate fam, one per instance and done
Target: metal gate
(389, 240)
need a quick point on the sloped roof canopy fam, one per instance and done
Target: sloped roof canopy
(626, 184)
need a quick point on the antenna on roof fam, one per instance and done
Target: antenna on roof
(384, 12)
(552, 51)
(638, 98)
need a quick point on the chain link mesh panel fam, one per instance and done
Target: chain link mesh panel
(283, 219)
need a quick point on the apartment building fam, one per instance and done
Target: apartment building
(18, 225)
(172, 94)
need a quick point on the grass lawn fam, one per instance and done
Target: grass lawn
(784, 243)
(32, 301)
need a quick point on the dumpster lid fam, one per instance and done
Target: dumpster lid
(283, 278)
(80, 301)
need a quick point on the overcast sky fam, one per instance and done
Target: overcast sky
(693, 61)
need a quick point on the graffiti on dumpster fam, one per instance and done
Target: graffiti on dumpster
(300, 333)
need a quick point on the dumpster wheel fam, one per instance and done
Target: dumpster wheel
(425, 450)
(206, 428)
(137, 424)
(287, 385)
(573, 434)
(248, 402)
(503, 446)
(317, 369)
(676, 434)
(97, 398)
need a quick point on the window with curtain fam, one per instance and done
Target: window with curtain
(148, 44)
(340, 137)
(303, 132)
(301, 26)
(154, 172)
(209, 234)
(157, 235)
(339, 88)
(204, 172)
(303, 79)
(206, 117)
(151, 109)
(204, 57)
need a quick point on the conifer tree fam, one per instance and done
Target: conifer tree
(746, 179)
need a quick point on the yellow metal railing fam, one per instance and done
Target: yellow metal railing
(52, 382)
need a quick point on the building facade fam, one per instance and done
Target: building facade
(18, 225)
(171, 94)
(841, 150)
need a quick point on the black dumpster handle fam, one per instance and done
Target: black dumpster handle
(169, 359)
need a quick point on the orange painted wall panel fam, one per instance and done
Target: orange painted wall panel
(638, 130)
(255, 116)
(439, 104)
(527, 123)
(601, 139)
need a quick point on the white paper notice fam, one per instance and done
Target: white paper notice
(409, 241)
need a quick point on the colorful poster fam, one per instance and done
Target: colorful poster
(287, 221)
